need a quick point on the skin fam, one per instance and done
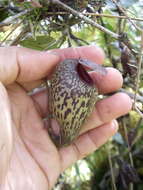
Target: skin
(29, 160)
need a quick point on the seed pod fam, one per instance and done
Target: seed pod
(72, 96)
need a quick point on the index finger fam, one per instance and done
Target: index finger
(26, 65)
(93, 53)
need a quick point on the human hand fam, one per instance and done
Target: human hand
(29, 160)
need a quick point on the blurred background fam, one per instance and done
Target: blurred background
(117, 27)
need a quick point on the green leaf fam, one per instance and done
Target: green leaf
(39, 43)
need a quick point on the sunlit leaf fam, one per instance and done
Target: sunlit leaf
(40, 43)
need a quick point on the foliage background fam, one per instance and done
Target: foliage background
(42, 25)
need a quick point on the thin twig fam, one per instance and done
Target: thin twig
(15, 27)
(124, 12)
(111, 166)
(10, 19)
(24, 31)
(96, 14)
(139, 69)
(139, 112)
(130, 153)
(86, 19)
(75, 38)
(107, 42)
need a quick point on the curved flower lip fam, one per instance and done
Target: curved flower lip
(93, 66)
(84, 75)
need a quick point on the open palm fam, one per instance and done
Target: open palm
(29, 159)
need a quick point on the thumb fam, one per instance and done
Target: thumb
(5, 133)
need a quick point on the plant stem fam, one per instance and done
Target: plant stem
(139, 70)
(86, 19)
(10, 19)
(111, 166)
(130, 153)
(96, 14)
